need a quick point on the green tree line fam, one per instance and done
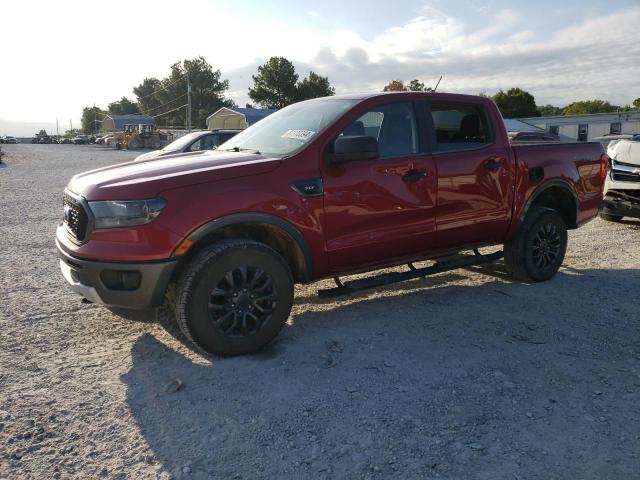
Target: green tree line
(276, 85)
(518, 103)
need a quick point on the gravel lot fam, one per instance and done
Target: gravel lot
(463, 375)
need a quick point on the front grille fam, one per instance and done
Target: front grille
(76, 219)
(625, 172)
(625, 177)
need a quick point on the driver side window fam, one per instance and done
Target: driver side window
(196, 146)
(393, 125)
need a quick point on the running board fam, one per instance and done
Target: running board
(394, 277)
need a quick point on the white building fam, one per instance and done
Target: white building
(587, 127)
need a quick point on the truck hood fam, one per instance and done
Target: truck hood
(625, 151)
(138, 180)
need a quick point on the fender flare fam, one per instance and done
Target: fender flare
(264, 218)
(541, 189)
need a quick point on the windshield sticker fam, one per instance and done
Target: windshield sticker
(303, 135)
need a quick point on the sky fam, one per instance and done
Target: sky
(59, 56)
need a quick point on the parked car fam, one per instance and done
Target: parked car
(191, 142)
(64, 140)
(10, 139)
(80, 140)
(319, 189)
(622, 186)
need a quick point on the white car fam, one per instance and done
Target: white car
(622, 186)
(191, 142)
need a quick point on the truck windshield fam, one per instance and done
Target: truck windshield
(287, 130)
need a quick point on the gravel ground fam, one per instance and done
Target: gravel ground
(463, 375)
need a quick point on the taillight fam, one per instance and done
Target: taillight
(604, 165)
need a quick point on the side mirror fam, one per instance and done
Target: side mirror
(353, 148)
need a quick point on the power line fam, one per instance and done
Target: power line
(165, 104)
(169, 111)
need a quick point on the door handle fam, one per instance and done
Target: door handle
(492, 165)
(414, 176)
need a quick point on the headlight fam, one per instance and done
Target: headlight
(109, 214)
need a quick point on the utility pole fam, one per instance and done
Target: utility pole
(57, 128)
(70, 125)
(188, 106)
(94, 118)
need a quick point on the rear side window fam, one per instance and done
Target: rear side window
(394, 127)
(459, 126)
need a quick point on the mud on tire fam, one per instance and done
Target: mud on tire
(234, 297)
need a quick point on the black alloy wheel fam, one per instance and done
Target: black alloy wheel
(243, 302)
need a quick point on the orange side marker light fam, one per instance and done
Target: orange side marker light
(183, 247)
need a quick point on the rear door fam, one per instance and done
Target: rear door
(475, 174)
(379, 209)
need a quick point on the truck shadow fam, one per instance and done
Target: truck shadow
(347, 383)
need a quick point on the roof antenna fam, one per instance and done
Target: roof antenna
(436, 87)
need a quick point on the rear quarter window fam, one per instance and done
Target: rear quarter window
(459, 126)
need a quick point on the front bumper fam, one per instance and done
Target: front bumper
(87, 278)
(625, 204)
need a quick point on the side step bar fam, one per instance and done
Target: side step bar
(413, 272)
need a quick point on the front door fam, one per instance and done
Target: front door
(475, 175)
(376, 210)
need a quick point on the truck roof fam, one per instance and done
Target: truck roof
(434, 95)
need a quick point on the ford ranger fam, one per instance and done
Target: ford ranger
(319, 189)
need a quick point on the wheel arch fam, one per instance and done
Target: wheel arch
(269, 229)
(557, 195)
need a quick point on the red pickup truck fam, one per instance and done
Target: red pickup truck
(322, 188)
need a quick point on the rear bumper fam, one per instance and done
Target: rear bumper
(87, 278)
(617, 202)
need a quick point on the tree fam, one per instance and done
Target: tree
(516, 103)
(146, 95)
(124, 106)
(416, 85)
(636, 103)
(314, 86)
(91, 120)
(395, 86)
(275, 85)
(586, 107)
(549, 111)
(166, 99)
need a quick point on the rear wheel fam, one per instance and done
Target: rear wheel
(536, 251)
(610, 218)
(234, 297)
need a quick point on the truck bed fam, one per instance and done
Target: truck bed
(540, 161)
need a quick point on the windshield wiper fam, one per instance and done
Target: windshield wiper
(238, 149)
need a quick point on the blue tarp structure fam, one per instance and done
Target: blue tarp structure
(117, 122)
(518, 126)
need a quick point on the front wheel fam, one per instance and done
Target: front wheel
(537, 250)
(134, 144)
(234, 297)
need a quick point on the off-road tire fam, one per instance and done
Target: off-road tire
(610, 218)
(134, 144)
(207, 271)
(522, 253)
